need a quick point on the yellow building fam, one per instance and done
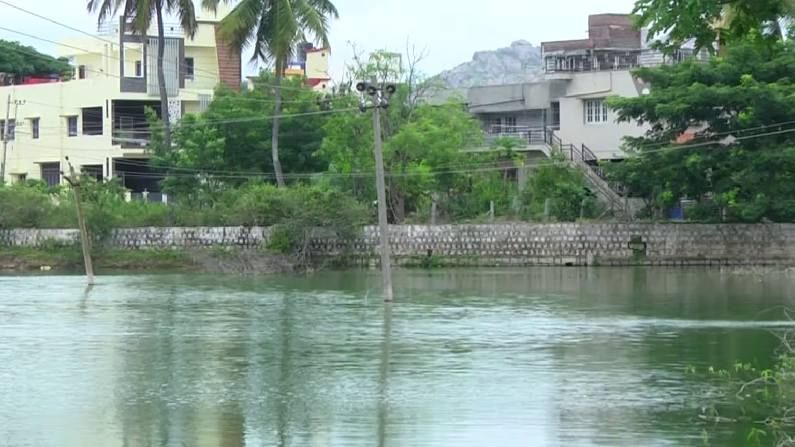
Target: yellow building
(97, 119)
(312, 64)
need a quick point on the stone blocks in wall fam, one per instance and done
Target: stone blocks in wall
(32, 237)
(496, 244)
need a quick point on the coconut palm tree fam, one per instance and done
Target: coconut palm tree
(143, 11)
(274, 27)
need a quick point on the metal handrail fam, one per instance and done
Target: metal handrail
(530, 135)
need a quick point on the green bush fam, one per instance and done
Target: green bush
(565, 188)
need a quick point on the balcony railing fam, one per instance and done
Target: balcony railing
(642, 58)
(523, 134)
(131, 139)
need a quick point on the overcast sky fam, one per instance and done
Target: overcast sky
(449, 30)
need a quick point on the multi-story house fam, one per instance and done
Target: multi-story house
(312, 64)
(596, 68)
(308, 63)
(570, 103)
(97, 118)
(567, 111)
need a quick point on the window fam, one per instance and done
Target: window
(94, 171)
(51, 173)
(555, 114)
(595, 111)
(188, 68)
(34, 128)
(12, 127)
(92, 121)
(139, 69)
(510, 123)
(71, 125)
(81, 72)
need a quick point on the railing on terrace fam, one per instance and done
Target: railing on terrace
(110, 27)
(643, 58)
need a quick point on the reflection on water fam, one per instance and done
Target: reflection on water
(540, 357)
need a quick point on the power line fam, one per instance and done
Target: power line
(717, 142)
(93, 36)
(361, 174)
(87, 51)
(193, 171)
(202, 122)
(728, 132)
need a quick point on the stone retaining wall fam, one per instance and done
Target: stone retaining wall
(498, 244)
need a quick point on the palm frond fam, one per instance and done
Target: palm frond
(143, 12)
(242, 25)
(273, 27)
(186, 12)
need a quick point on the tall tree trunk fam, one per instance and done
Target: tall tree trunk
(161, 76)
(277, 110)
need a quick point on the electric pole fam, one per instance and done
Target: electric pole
(380, 101)
(7, 132)
(74, 180)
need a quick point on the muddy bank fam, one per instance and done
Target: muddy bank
(211, 260)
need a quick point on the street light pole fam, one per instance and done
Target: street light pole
(379, 101)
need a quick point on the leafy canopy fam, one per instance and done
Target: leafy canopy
(19, 60)
(706, 21)
(750, 95)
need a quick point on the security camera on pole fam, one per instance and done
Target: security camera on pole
(379, 96)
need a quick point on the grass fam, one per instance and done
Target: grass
(70, 259)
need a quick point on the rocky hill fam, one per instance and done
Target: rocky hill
(520, 62)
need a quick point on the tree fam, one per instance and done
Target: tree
(228, 138)
(275, 27)
(708, 21)
(423, 143)
(748, 95)
(565, 188)
(17, 60)
(142, 11)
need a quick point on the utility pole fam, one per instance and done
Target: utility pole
(7, 132)
(85, 242)
(380, 101)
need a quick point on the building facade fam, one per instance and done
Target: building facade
(97, 119)
(571, 102)
(597, 68)
(308, 63)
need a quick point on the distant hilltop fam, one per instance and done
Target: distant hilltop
(518, 63)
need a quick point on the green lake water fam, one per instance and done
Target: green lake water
(531, 357)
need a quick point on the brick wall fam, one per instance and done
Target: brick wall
(229, 64)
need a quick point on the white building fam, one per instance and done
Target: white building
(595, 69)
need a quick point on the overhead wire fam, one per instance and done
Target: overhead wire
(102, 72)
(203, 122)
(212, 74)
(56, 22)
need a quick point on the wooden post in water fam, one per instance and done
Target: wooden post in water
(74, 180)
